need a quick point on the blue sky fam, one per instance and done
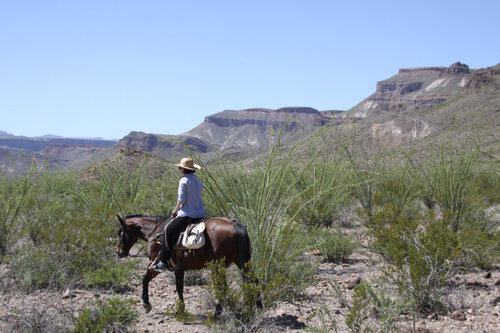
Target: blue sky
(105, 68)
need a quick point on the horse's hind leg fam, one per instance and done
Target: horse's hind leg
(150, 274)
(249, 277)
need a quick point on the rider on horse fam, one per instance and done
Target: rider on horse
(189, 209)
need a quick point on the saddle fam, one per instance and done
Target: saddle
(193, 237)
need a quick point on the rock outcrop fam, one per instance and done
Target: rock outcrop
(415, 88)
(256, 128)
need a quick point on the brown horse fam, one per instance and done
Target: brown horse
(224, 239)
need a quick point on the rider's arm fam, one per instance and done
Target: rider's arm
(181, 197)
(176, 209)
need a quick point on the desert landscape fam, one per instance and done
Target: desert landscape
(384, 217)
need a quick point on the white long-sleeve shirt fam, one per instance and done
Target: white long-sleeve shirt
(189, 195)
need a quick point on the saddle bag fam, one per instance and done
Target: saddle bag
(193, 237)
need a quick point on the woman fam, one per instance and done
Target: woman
(189, 209)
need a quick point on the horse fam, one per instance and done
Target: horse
(225, 239)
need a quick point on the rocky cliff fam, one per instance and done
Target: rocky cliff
(415, 88)
(433, 104)
(255, 128)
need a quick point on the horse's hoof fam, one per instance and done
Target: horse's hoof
(217, 312)
(147, 307)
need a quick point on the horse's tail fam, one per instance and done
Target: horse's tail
(244, 245)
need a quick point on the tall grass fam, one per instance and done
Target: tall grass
(13, 196)
(448, 178)
(260, 199)
(270, 199)
(322, 191)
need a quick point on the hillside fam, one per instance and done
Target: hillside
(164, 146)
(14, 163)
(256, 128)
(451, 104)
(50, 151)
(415, 88)
(414, 107)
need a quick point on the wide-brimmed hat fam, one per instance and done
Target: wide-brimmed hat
(188, 163)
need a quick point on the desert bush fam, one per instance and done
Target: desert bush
(365, 172)
(239, 303)
(448, 178)
(488, 183)
(13, 196)
(422, 251)
(322, 191)
(54, 267)
(261, 199)
(47, 204)
(372, 310)
(114, 275)
(36, 267)
(360, 310)
(397, 187)
(114, 315)
(480, 246)
(336, 246)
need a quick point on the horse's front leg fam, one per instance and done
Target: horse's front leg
(179, 283)
(150, 274)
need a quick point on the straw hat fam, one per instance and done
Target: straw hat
(188, 163)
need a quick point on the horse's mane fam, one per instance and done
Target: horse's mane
(135, 215)
(158, 219)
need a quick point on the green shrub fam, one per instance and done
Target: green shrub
(372, 310)
(396, 186)
(337, 247)
(35, 267)
(360, 310)
(239, 303)
(114, 275)
(448, 178)
(480, 246)
(488, 183)
(13, 196)
(322, 192)
(261, 198)
(192, 278)
(110, 316)
(422, 251)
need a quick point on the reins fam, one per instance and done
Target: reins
(158, 222)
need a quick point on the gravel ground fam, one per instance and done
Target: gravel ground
(473, 299)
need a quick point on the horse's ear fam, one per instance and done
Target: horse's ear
(122, 221)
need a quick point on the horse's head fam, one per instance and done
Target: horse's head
(128, 236)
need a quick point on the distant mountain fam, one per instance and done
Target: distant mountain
(432, 105)
(160, 145)
(39, 144)
(417, 106)
(415, 88)
(19, 153)
(6, 135)
(17, 162)
(256, 128)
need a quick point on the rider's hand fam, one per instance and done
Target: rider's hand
(174, 213)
